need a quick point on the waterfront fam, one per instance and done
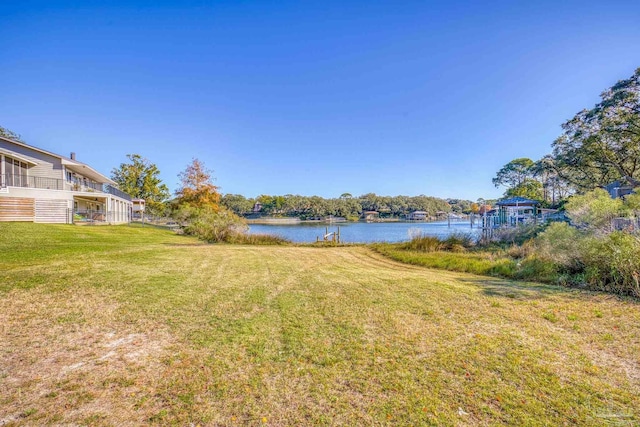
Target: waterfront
(361, 232)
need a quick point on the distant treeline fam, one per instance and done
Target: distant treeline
(347, 206)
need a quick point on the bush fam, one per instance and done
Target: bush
(517, 235)
(613, 263)
(593, 211)
(458, 242)
(563, 245)
(423, 244)
(209, 224)
(537, 269)
(608, 262)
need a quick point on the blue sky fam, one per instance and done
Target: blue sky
(277, 97)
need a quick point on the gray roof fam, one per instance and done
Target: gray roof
(513, 201)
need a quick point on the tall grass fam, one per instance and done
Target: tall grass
(456, 242)
(561, 254)
(257, 239)
(423, 244)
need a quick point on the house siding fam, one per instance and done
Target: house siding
(52, 211)
(47, 166)
(16, 209)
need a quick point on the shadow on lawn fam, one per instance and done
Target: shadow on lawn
(519, 290)
(529, 291)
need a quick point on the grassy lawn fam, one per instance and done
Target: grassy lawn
(484, 263)
(128, 326)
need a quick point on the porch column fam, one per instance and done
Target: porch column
(107, 209)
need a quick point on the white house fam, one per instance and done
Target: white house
(40, 186)
(418, 216)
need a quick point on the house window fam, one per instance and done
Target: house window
(16, 172)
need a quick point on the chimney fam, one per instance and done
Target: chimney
(73, 155)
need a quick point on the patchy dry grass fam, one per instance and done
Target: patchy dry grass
(130, 326)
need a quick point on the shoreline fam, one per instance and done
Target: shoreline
(298, 221)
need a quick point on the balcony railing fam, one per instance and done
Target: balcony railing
(10, 180)
(113, 190)
(24, 181)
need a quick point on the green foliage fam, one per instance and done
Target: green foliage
(601, 145)
(140, 179)
(554, 187)
(632, 202)
(459, 205)
(525, 178)
(258, 239)
(459, 241)
(561, 254)
(613, 263)
(561, 243)
(456, 242)
(609, 262)
(346, 206)
(514, 173)
(209, 224)
(237, 203)
(455, 257)
(517, 235)
(467, 262)
(537, 269)
(7, 133)
(529, 188)
(593, 210)
(423, 244)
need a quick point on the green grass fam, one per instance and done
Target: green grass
(130, 326)
(476, 262)
(496, 262)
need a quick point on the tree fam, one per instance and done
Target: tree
(237, 203)
(602, 144)
(197, 188)
(530, 188)
(514, 173)
(554, 187)
(7, 133)
(198, 210)
(140, 179)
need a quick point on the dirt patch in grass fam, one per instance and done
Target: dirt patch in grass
(67, 357)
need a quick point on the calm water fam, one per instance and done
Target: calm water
(361, 232)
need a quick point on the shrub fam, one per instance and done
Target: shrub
(517, 235)
(424, 244)
(210, 225)
(537, 269)
(613, 263)
(521, 251)
(459, 240)
(593, 210)
(563, 245)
